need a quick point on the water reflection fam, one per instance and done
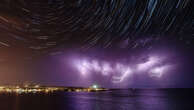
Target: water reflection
(144, 99)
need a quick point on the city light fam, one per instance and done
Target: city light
(29, 88)
(95, 86)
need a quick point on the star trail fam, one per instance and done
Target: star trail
(38, 26)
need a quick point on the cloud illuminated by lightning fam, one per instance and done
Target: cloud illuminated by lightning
(120, 72)
(148, 64)
(158, 71)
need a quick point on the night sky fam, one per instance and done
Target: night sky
(113, 43)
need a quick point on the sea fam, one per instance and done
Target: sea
(118, 99)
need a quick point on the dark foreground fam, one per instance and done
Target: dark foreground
(139, 99)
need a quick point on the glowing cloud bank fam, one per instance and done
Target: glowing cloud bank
(148, 64)
(119, 71)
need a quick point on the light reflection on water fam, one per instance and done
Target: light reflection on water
(144, 99)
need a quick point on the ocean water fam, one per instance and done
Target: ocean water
(138, 99)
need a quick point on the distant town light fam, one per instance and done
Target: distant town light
(95, 86)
